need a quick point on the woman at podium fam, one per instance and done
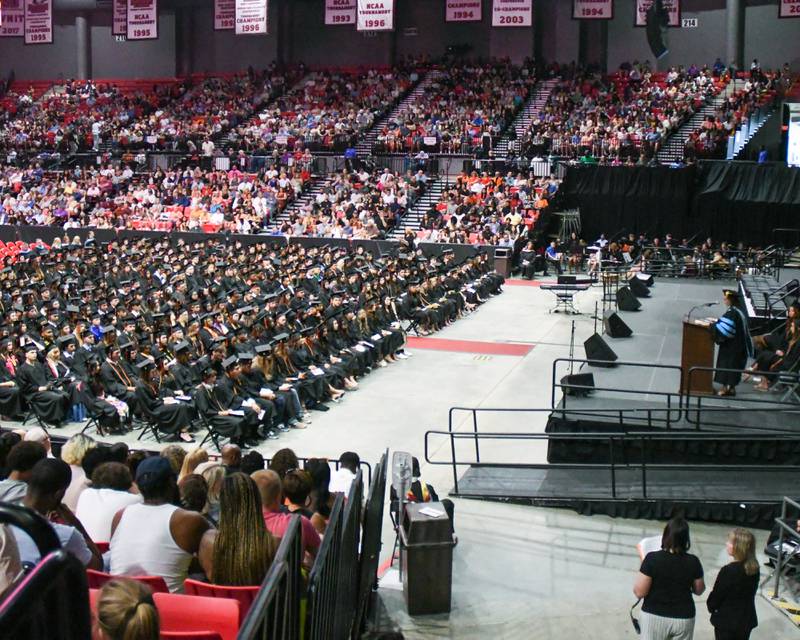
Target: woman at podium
(735, 346)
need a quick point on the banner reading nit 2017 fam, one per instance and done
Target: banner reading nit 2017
(13, 19)
(593, 9)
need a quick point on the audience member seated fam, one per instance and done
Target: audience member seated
(343, 477)
(126, 611)
(21, 460)
(111, 490)
(72, 452)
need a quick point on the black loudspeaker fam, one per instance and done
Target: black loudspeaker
(566, 279)
(615, 326)
(656, 22)
(638, 288)
(578, 384)
(626, 301)
(646, 278)
(598, 353)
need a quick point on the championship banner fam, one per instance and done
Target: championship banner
(13, 15)
(142, 19)
(512, 13)
(462, 11)
(224, 15)
(340, 11)
(592, 9)
(119, 18)
(673, 8)
(38, 21)
(375, 15)
(789, 9)
(251, 17)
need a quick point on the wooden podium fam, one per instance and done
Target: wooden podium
(697, 351)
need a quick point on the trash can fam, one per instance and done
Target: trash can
(426, 552)
(502, 261)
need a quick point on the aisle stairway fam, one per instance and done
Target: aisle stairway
(314, 187)
(672, 150)
(364, 146)
(413, 217)
(538, 97)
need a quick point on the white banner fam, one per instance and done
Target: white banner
(789, 9)
(13, 24)
(224, 15)
(375, 15)
(593, 9)
(38, 21)
(251, 17)
(119, 18)
(142, 19)
(512, 13)
(673, 8)
(340, 11)
(462, 11)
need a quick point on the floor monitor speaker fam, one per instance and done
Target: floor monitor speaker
(615, 326)
(638, 288)
(578, 384)
(598, 353)
(626, 301)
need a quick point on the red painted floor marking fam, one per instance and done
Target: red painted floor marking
(523, 283)
(470, 346)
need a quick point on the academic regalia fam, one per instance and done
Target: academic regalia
(209, 406)
(735, 347)
(51, 406)
(10, 397)
(170, 418)
(116, 382)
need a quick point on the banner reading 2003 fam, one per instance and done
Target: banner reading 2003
(789, 9)
(375, 15)
(512, 13)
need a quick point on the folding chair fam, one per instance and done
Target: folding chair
(93, 422)
(212, 434)
(789, 383)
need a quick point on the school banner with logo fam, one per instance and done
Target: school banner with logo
(251, 17)
(38, 21)
(462, 10)
(375, 15)
(512, 13)
(340, 11)
(593, 9)
(673, 8)
(142, 19)
(224, 15)
(119, 18)
(789, 9)
(13, 19)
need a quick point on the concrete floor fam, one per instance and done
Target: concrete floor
(519, 572)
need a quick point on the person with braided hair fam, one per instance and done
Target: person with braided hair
(126, 611)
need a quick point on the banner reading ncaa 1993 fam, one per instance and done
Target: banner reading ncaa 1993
(224, 15)
(340, 12)
(375, 15)
(512, 13)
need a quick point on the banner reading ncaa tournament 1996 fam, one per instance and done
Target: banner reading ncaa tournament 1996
(375, 15)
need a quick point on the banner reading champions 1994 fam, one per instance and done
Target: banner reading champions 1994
(251, 17)
(375, 15)
(340, 11)
(119, 18)
(512, 13)
(38, 21)
(593, 9)
(673, 8)
(462, 10)
(142, 19)
(13, 24)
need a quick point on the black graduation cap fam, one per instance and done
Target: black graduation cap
(107, 329)
(183, 345)
(263, 348)
(63, 341)
(202, 364)
(280, 337)
(31, 347)
(145, 365)
(126, 345)
(71, 308)
(246, 356)
(229, 362)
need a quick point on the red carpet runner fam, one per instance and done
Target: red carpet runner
(470, 346)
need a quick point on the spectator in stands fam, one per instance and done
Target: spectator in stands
(277, 519)
(212, 473)
(192, 460)
(47, 484)
(10, 563)
(156, 538)
(231, 455)
(296, 492)
(321, 497)
(7, 442)
(666, 580)
(193, 492)
(111, 489)
(240, 551)
(20, 462)
(251, 462)
(37, 434)
(72, 453)
(126, 611)
(283, 461)
(341, 480)
(175, 454)
(732, 600)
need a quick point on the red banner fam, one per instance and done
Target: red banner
(119, 18)
(224, 15)
(251, 17)
(13, 23)
(512, 13)
(38, 21)
(462, 11)
(340, 11)
(673, 8)
(375, 15)
(142, 19)
(789, 9)
(593, 9)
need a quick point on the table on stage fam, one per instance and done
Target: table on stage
(697, 351)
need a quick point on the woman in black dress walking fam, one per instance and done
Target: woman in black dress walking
(732, 600)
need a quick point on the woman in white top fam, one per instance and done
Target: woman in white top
(72, 453)
(156, 538)
(112, 489)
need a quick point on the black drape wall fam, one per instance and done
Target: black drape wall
(727, 201)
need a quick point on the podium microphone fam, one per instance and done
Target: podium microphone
(700, 306)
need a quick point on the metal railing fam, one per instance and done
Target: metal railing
(322, 582)
(683, 262)
(347, 579)
(643, 441)
(781, 562)
(275, 613)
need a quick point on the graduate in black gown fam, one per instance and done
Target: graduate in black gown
(215, 407)
(170, 414)
(732, 335)
(93, 398)
(10, 394)
(51, 405)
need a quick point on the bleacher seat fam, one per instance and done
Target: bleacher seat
(97, 579)
(244, 595)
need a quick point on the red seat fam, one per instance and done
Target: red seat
(198, 614)
(97, 579)
(244, 595)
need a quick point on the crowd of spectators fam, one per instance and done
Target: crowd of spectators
(462, 110)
